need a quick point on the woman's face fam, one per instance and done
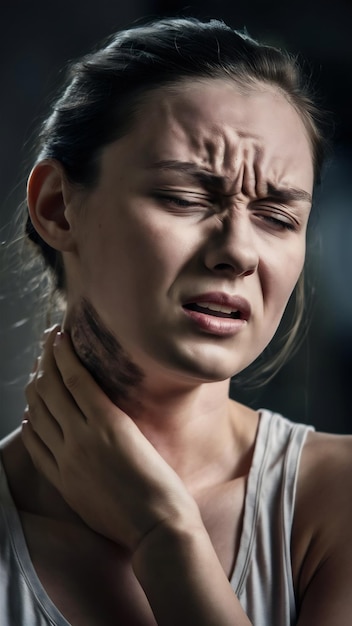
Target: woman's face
(192, 241)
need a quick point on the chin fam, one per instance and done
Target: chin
(206, 367)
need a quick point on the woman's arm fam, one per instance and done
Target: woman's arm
(112, 476)
(323, 531)
(184, 581)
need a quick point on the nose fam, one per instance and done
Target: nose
(232, 250)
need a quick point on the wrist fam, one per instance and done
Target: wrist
(179, 571)
(169, 541)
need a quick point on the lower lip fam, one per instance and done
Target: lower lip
(220, 326)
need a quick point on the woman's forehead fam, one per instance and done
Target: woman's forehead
(219, 126)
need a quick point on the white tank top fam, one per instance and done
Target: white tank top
(262, 576)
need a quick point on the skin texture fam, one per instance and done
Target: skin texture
(140, 253)
(167, 467)
(98, 348)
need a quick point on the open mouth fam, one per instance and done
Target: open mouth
(211, 308)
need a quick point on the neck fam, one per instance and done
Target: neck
(192, 423)
(199, 431)
(206, 438)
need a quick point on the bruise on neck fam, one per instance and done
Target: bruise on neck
(102, 355)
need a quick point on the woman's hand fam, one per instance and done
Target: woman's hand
(112, 476)
(96, 456)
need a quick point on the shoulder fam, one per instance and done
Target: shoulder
(323, 508)
(325, 469)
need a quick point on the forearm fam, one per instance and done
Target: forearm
(184, 580)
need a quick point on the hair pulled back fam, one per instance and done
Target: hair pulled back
(104, 89)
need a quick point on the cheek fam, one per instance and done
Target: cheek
(295, 266)
(132, 263)
(282, 276)
(161, 246)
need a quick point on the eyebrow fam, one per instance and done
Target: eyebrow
(206, 178)
(287, 194)
(192, 171)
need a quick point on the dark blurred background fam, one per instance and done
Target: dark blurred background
(37, 40)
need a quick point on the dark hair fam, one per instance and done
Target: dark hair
(105, 88)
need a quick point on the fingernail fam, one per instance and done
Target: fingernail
(45, 337)
(58, 338)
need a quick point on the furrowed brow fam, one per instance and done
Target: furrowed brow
(289, 194)
(214, 181)
(193, 172)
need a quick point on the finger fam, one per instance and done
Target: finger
(42, 422)
(49, 386)
(46, 358)
(34, 368)
(39, 453)
(46, 334)
(89, 397)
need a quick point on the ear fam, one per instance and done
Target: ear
(48, 198)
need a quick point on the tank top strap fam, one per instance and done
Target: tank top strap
(262, 576)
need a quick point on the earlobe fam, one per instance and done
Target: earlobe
(47, 204)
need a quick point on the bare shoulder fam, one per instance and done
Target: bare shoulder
(322, 538)
(326, 454)
(325, 469)
(324, 489)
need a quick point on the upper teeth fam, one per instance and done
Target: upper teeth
(215, 307)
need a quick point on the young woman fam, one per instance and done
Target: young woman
(170, 201)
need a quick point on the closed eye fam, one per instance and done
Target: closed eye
(176, 200)
(279, 223)
(181, 202)
(277, 220)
